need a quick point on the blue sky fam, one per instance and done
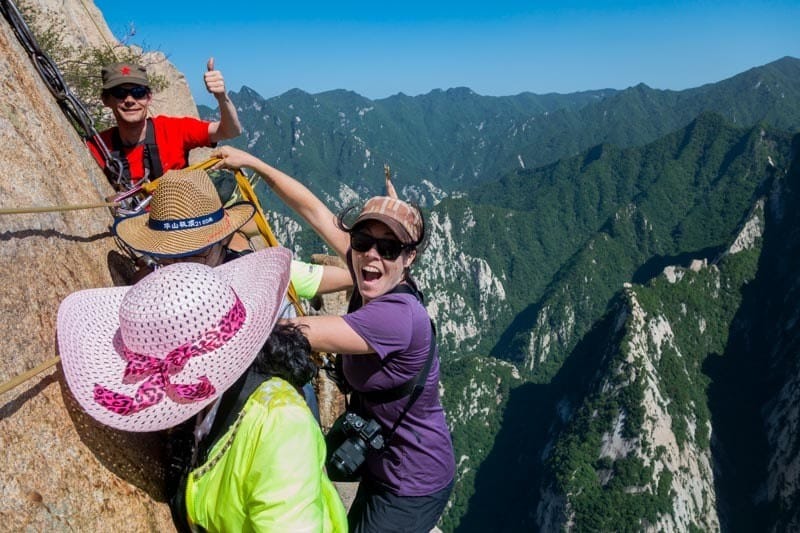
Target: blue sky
(495, 48)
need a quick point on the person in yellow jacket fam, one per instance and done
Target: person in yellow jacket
(191, 342)
(265, 472)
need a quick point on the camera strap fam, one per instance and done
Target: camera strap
(418, 385)
(413, 387)
(418, 381)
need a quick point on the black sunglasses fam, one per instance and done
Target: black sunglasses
(138, 92)
(387, 248)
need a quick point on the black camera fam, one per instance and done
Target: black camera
(361, 435)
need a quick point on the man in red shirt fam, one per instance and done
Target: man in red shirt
(148, 147)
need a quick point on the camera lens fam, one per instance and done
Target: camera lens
(349, 456)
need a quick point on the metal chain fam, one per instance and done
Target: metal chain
(69, 103)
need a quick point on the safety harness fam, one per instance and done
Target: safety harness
(151, 160)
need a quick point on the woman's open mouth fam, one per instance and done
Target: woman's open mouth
(370, 274)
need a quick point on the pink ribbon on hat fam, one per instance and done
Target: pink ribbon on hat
(157, 371)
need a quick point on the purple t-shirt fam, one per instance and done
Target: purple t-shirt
(419, 460)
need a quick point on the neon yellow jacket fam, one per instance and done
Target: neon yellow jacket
(266, 473)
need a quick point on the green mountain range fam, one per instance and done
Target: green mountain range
(614, 278)
(685, 424)
(446, 141)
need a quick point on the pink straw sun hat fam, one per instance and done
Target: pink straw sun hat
(149, 356)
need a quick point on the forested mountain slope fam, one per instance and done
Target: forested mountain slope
(557, 242)
(675, 411)
(691, 422)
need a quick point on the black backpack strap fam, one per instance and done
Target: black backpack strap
(152, 160)
(408, 287)
(231, 404)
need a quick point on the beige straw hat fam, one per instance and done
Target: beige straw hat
(186, 216)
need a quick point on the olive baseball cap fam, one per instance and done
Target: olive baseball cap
(121, 73)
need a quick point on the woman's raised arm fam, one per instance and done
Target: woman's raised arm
(293, 193)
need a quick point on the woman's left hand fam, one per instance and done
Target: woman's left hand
(232, 158)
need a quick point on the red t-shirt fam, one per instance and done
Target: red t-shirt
(175, 136)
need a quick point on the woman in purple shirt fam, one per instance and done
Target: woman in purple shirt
(386, 337)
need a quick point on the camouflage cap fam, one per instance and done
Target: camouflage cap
(402, 218)
(121, 73)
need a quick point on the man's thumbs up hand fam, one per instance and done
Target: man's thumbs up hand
(215, 83)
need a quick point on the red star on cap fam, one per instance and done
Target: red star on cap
(125, 71)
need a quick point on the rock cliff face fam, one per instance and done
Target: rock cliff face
(779, 345)
(645, 438)
(60, 471)
(442, 265)
(83, 22)
(686, 463)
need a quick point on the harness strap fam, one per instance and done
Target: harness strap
(116, 153)
(247, 193)
(151, 160)
(151, 154)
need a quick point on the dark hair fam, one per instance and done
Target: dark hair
(287, 355)
(419, 246)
